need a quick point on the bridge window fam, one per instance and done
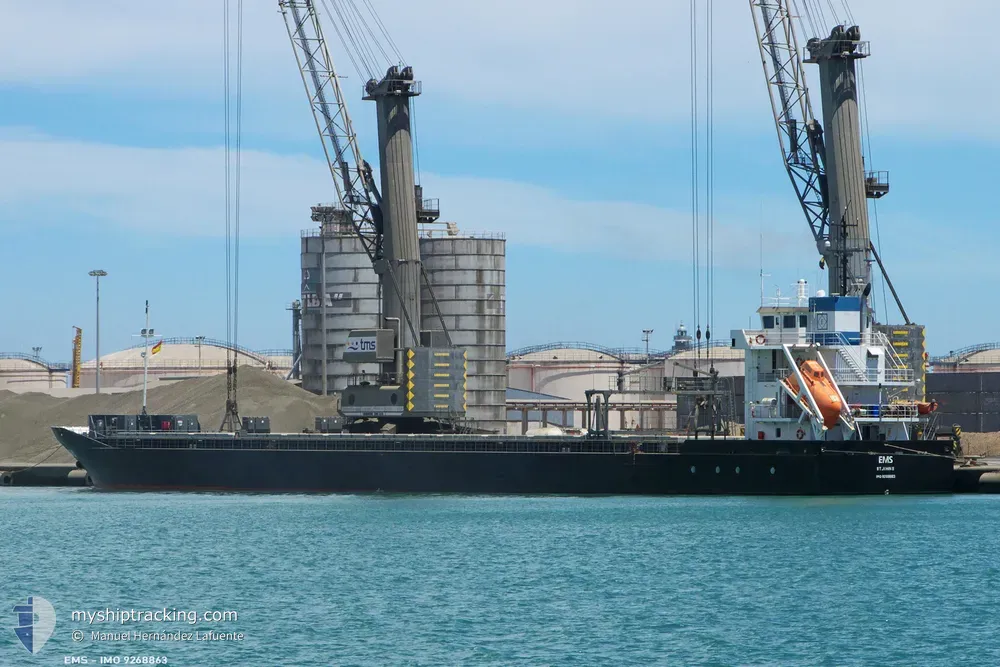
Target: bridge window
(768, 321)
(788, 322)
(803, 321)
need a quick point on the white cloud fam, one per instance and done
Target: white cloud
(582, 57)
(532, 215)
(180, 192)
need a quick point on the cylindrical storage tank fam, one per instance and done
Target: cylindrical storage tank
(467, 274)
(352, 302)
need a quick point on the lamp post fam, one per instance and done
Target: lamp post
(36, 351)
(199, 340)
(97, 274)
(645, 337)
(145, 334)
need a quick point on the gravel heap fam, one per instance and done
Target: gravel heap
(25, 419)
(980, 444)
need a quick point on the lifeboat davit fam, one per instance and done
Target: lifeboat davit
(822, 388)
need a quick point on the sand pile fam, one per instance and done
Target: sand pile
(980, 444)
(25, 418)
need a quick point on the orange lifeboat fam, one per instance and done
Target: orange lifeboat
(925, 408)
(823, 391)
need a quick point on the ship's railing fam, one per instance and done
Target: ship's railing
(824, 338)
(848, 366)
(794, 337)
(638, 383)
(891, 356)
(774, 376)
(890, 411)
(698, 385)
(765, 411)
(627, 444)
(893, 375)
(838, 339)
(783, 302)
(899, 375)
(773, 337)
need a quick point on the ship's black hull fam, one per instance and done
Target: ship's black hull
(474, 465)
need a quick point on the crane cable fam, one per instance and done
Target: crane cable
(233, 168)
(816, 19)
(416, 142)
(239, 174)
(695, 171)
(703, 240)
(868, 156)
(369, 54)
(228, 195)
(385, 33)
(351, 43)
(710, 176)
(360, 41)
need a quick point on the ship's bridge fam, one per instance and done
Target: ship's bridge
(821, 320)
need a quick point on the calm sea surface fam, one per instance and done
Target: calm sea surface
(445, 580)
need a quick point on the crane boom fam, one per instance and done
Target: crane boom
(800, 136)
(352, 176)
(844, 242)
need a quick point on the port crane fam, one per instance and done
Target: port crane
(828, 174)
(385, 221)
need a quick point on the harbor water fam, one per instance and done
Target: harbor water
(442, 580)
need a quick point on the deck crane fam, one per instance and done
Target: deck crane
(827, 172)
(422, 382)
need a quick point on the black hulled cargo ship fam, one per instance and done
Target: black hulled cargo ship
(819, 417)
(422, 463)
(497, 464)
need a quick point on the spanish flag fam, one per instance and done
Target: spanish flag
(157, 347)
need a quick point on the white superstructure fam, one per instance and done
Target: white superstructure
(817, 370)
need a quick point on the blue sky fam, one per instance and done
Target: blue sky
(562, 124)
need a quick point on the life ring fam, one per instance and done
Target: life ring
(760, 339)
(800, 434)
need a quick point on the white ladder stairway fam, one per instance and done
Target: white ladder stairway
(852, 362)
